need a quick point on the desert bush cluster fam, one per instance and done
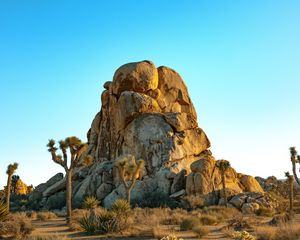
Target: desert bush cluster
(16, 226)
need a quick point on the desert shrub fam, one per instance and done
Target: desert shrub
(279, 219)
(189, 223)
(200, 231)
(18, 226)
(43, 216)
(239, 224)
(90, 202)
(207, 219)
(244, 235)
(145, 216)
(3, 212)
(171, 237)
(175, 217)
(32, 215)
(266, 212)
(155, 199)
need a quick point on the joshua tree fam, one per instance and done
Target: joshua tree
(130, 170)
(76, 148)
(10, 171)
(295, 159)
(223, 165)
(290, 179)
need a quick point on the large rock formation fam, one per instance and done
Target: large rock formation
(147, 112)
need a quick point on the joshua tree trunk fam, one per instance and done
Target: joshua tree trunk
(291, 195)
(224, 188)
(294, 172)
(69, 174)
(8, 189)
(128, 195)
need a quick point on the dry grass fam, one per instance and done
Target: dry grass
(188, 223)
(32, 215)
(200, 231)
(290, 231)
(207, 219)
(222, 213)
(18, 226)
(265, 212)
(159, 232)
(43, 216)
(46, 238)
(265, 233)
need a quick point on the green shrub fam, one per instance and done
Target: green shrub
(90, 202)
(3, 212)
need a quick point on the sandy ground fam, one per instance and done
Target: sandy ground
(57, 227)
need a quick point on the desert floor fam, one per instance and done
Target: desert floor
(57, 227)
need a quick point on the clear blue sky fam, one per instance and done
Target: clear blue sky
(239, 59)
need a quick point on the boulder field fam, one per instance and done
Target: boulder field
(147, 112)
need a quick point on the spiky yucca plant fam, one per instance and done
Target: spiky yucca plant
(87, 225)
(121, 210)
(77, 150)
(130, 170)
(3, 212)
(90, 202)
(120, 206)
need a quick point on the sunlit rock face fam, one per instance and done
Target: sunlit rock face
(147, 112)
